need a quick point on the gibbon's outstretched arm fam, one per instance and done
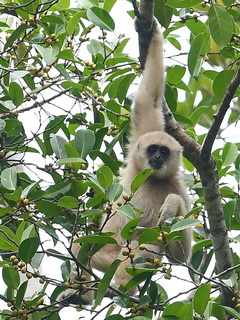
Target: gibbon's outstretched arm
(147, 111)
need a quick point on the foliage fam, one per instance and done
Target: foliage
(61, 69)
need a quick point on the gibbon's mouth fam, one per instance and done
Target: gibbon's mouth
(156, 164)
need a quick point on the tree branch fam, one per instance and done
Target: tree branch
(218, 118)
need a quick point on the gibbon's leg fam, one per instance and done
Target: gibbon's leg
(100, 261)
(121, 275)
(174, 206)
(149, 96)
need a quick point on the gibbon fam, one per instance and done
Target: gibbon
(163, 195)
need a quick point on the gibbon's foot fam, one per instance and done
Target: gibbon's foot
(72, 297)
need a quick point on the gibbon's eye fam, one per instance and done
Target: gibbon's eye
(164, 151)
(152, 149)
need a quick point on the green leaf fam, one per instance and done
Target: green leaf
(221, 82)
(123, 86)
(68, 202)
(105, 282)
(230, 153)
(127, 211)
(182, 3)
(15, 196)
(49, 54)
(98, 239)
(163, 13)
(114, 192)
(72, 161)
(11, 277)
(6, 235)
(15, 35)
(20, 294)
(184, 224)
(58, 145)
(140, 178)
(28, 248)
(2, 126)
(105, 177)
(197, 113)
(129, 229)
(30, 188)
(55, 190)
(101, 18)
(175, 74)
(9, 178)
(50, 209)
(220, 24)
(148, 236)
(197, 51)
(201, 298)
(16, 93)
(84, 142)
(108, 4)
(179, 309)
(232, 312)
(18, 74)
(72, 153)
(73, 22)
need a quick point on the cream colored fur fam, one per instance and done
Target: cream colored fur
(163, 195)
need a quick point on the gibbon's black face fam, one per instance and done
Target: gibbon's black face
(157, 155)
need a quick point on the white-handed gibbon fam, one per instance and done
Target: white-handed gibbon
(163, 195)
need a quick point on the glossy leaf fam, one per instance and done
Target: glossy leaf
(16, 93)
(9, 178)
(127, 211)
(15, 35)
(50, 209)
(221, 82)
(68, 202)
(163, 13)
(2, 126)
(232, 312)
(105, 177)
(21, 293)
(105, 282)
(114, 192)
(7, 239)
(28, 248)
(101, 18)
(98, 239)
(73, 22)
(84, 142)
(140, 178)
(55, 190)
(220, 24)
(129, 229)
(198, 49)
(49, 54)
(182, 3)
(11, 278)
(175, 74)
(230, 153)
(184, 224)
(58, 145)
(180, 309)
(201, 298)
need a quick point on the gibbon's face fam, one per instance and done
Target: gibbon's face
(159, 151)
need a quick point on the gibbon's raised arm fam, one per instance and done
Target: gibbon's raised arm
(147, 111)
